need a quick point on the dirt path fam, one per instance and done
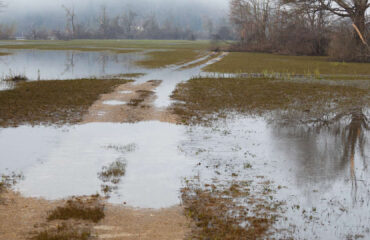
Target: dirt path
(129, 103)
(21, 218)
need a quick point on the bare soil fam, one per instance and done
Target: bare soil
(139, 105)
(21, 218)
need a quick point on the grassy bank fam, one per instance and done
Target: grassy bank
(51, 102)
(244, 62)
(159, 59)
(200, 97)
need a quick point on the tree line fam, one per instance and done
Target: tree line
(128, 24)
(338, 28)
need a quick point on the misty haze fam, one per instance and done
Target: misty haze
(184, 119)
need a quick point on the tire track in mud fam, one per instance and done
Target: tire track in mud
(129, 103)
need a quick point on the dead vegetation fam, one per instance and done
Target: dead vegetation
(63, 232)
(233, 211)
(80, 208)
(16, 78)
(51, 102)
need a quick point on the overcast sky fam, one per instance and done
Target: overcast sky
(49, 13)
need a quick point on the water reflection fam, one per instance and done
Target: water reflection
(46, 65)
(327, 151)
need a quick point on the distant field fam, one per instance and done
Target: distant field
(243, 62)
(158, 59)
(172, 51)
(106, 44)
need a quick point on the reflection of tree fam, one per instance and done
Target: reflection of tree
(325, 148)
(70, 63)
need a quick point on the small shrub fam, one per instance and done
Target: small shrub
(90, 209)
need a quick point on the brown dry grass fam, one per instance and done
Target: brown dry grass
(89, 209)
(51, 102)
(217, 214)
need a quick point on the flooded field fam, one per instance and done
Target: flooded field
(49, 65)
(262, 157)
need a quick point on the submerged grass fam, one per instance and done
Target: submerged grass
(51, 102)
(246, 62)
(89, 209)
(201, 97)
(158, 59)
(229, 212)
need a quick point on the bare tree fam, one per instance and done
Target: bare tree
(70, 18)
(353, 9)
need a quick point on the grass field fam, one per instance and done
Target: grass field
(244, 62)
(107, 44)
(159, 59)
(51, 102)
(200, 97)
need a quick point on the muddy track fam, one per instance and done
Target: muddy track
(129, 103)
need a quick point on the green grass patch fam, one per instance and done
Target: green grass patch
(158, 59)
(90, 209)
(201, 97)
(51, 102)
(245, 62)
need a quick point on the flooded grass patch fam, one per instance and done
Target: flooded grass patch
(160, 59)
(231, 211)
(246, 62)
(16, 78)
(79, 208)
(51, 102)
(201, 97)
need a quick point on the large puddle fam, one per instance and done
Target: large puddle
(322, 173)
(147, 167)
(50, 65)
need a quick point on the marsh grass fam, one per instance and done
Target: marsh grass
(51, 102)
(200, 97)
(111, 175)
(63, 232)
(8, 181)
(89, 209)
(159, 59)
(246, 62)
(218, 213)
(16, 78)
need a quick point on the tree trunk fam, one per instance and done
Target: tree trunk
(359, 20)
